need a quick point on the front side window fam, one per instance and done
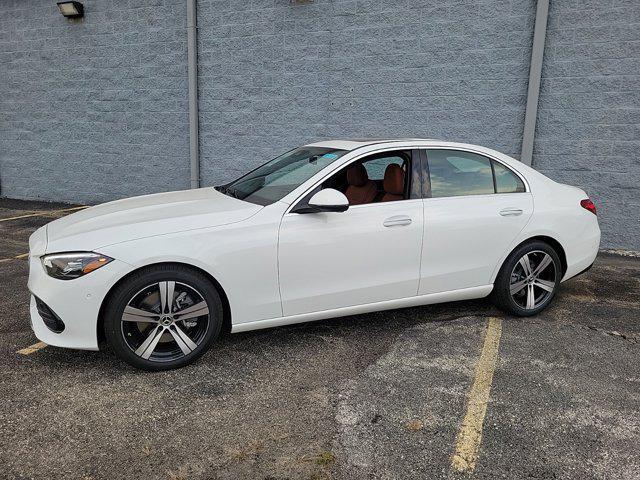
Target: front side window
(454, 173)
(279, 177)
(382, 177)
(376, 167)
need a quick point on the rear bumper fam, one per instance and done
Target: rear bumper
(582, 254)
(75, 302)
(583, 271)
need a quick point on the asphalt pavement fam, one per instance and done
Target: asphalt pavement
(389, 395)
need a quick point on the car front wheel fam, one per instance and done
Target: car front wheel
(528, 280)
(163, 317)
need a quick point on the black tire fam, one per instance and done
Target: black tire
(512, 274)
(139, 288)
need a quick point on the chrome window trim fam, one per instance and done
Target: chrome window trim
(527, 188)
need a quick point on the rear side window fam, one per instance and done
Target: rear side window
(506, 180)
(454, 173)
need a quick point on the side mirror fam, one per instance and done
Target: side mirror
(327, 200)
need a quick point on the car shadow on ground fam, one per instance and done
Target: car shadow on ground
(379, 325)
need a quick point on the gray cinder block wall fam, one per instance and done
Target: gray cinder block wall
(273, 75)
(93, 109)
(96, 109)
(588, 129)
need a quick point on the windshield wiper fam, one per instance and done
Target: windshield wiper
(227, 190)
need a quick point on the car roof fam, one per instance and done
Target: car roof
(352, 144)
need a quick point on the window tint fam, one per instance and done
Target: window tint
(454, 173)
(506, 180)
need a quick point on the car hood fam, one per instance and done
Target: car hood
(145, 216)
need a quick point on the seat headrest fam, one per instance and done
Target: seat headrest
(357, 175)
(394, 179)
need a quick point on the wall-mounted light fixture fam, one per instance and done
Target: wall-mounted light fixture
(71, 9)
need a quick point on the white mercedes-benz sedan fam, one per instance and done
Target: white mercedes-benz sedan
(329, 229)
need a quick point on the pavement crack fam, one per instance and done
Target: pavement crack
(613, 333)
(629, 337)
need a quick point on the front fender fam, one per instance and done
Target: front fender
(242, 258)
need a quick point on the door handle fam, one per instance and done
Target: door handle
(510, 212)
(397, 221)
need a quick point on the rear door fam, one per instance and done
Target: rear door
(474, 208)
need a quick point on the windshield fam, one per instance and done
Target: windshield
(275, 179)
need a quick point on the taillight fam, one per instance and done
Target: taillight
(588, 205)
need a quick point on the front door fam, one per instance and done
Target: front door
(369, 253)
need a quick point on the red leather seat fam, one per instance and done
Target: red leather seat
(393, 183)
(361, 189)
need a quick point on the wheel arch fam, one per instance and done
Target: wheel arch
(226, 307)
(552, 242)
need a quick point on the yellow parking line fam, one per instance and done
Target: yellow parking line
(33, 348)
(44, 212)
(470, 433)
(17, 257)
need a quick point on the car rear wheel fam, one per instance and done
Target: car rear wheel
(528, 280)
(163, 317)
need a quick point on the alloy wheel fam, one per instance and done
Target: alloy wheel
(533, 280)
(165, 321)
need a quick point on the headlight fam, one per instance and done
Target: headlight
(67, 266)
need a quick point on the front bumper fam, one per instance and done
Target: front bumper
(76, 302)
